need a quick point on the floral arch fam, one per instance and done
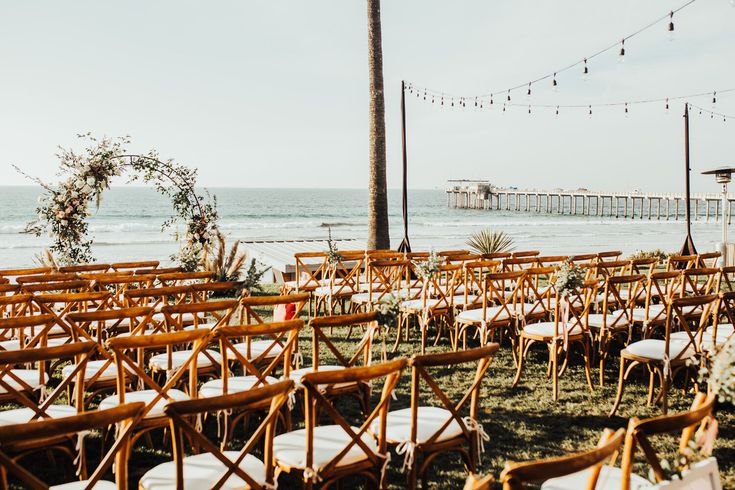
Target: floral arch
(63, 208)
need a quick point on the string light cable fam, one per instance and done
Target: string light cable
(711, 113)
(618, 45)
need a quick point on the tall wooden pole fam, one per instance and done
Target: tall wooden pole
(688, 248)
(405, 245)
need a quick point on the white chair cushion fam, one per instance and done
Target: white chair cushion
(363, 297)
(418, 304)
(459, 299)
(707, 342)
(654, 349)
(145, 332)
(336, 289)
(110, 372)
(235, 384)
(609, 479)
(147, 397)
(29, 376)
(476, 315)
(616, 319)
(289, 449)
(723, 330)
(258, 347)
(81, 485)
(201, 471)
(182, 317)
(209, 326)
(24, 415)
(548, 329)
(429, 421)
(179, 357)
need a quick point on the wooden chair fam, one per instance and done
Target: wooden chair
(184, 278)
(519, 263)
(435, 304)
(551, 260)
(342, 280)
(15, 304)
(681, 262)
(383, 277)
(525, 253)
(538, 295)
(609, 255)
(422, 432)
(502, 295)
(74, 286)
(119, 284)
(579, 259)
(329, 453)
(192, 316)
(44, 278)
(721, 330)
(576, 471)
(203, 291)
(667, 357)
(310, 269)
(567, 327)
(708, 259)
(25, 332)
(85, 268)
(322, 329)
(615, 319)
(156, 298)
(661, 288)
(212, 467)
(130, 355)
(640, 432)
(11, 274)
(469, 297)
(71, 430)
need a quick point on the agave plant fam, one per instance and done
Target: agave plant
(227, 266)
(490, 241)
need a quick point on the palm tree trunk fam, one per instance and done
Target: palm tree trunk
(378, 233)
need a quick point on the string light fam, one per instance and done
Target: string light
(618, 45)
(590, 114)
(529, 89)
(667, 105)
(714, 97)
(621, 58)
(626, 109)
(671, 26)
(557, 110)
(529, 109)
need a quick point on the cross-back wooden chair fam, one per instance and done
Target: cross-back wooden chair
(157, 298)
(538, 295)
(284, 307)
(212, 467)
(71, 430)
(448, 423)
(699, 282)
(452, 253)
(85, 268)
(470, 296)
(661, 287)
(156, 270)
(129, 266)
(665, 358)
(580, 259)
(502, 294)
(496, 256)
(640, 433)
(680, 262)
(43, 278)
(192, 316)
(383, 277)
(727, 278)
(8, 289)
(24, 377)
(435, 304)
(184, 278)
(203, 291)
(331, 452)
(342, 280)
(610, 268)
(708, 259)
(611, 255)
(615, 320)
(525, 253)
(566, 328)
(643, 266)
(551, 260)
(463, 259)
(100, 374)
(132, 355)
(722, 329)
(323, 347)
(26, 332)
(240, 372)
(587, 469)
(119, 284)
(310, 269)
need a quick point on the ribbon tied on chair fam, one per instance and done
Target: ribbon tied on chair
(481, 437)
(407, 449)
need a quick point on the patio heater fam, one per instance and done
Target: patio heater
(723, 175)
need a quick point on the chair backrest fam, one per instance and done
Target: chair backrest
(118, 284)
(42, 278)
(77, 285)
(608, 268)
(496, 256)
(385, 277)
(441, 287)
(251, 304)
(519, 263)
(143, 264)
(681, 314)
(698, 281)
(176, 317)
(11, 274)
(15, 304)
(643, 266)
(202, 291)
(27, 331)
(17, 389)
(727, 278)
(344, 276)
(457, 405)
(620, 295)
(583, 258)
(85, 268)
(124, 416)
(726, 312)
(284, 337)
(639, 432)
(316, 403)
(321, 336)
(183, 412)
(184, 278)
(538, 293)
(660, 290)
(102, 324)
(502, 292)
(139, 345)
(525, 253)
(551, 260)
(474, 280)
(311, 268)
(609, 255)
(708, 259)
(679, 262)
(156, 297)
(516, 475)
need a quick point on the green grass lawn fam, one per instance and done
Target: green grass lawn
(523, 422)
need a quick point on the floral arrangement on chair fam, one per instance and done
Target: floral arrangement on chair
(719, 372)
(569, 279)
(389, 309)
(426, 269)
(64, 208)
(333, 255)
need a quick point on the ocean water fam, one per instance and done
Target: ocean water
(128, 223)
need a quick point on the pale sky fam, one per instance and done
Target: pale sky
(275, 93)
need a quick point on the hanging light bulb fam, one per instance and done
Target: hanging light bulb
(424, 94)
(586, 71)
(626, 109)
(590, 113)
(557, 110)
(491, 99)
(452, 101)
(432, 99)
(529, 89)
(529, 109)
(554, 84)
(442, 99)
(509, 95)
(503, 108)
(621, 58)
(667, 106)
(671, 26)
(475, 101)
(714, 98)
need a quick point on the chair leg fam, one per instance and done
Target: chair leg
(554, 352)
(587, 367)
(519, 371)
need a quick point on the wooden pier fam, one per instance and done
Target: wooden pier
(475, 194)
